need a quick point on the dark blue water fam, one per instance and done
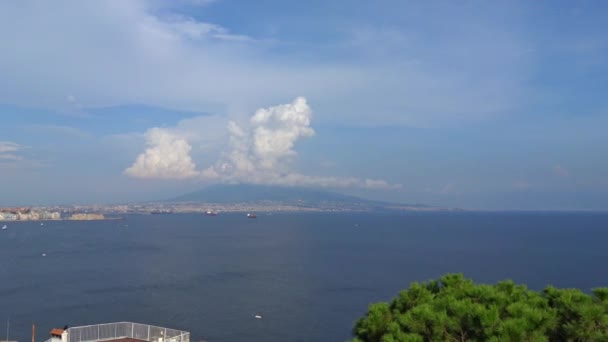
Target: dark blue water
(310, 275)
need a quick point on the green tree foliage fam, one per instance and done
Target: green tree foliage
(454, 308)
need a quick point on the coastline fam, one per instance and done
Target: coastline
(64, 219)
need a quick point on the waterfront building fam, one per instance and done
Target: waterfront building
(9, 217)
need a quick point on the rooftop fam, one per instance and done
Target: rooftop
(122, 332)
(56, 332)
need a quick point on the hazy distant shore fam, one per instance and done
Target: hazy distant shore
(202, 208)
(64, 219)
(24, 217)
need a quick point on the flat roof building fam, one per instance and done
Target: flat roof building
(119, 332)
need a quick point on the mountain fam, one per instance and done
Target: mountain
(243, 193)
(277, 195)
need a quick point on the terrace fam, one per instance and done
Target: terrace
(119, 332)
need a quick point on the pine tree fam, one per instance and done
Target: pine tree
(454, 308)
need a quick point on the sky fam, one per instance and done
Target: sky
(480, 105)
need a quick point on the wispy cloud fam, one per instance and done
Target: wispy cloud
(136, 53)
(8, 156)
(184, 26)
(11, 157)
(9, 146)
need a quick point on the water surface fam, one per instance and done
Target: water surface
(309, 275)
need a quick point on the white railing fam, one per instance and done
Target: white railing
(113, 331)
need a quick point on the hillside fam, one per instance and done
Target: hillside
(301, 197)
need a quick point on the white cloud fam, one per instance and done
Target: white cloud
(167, 157)
(11, 157)
(259, 151)
(8, 156)
(300, 180)
(190, 28)
(9, 146)
(106, 53)
(268, 140)
(264, 146)
(113, 52)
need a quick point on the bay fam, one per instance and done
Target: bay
(309, 275)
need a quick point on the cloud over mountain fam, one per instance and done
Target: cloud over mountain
(259, 151)
(265, 143)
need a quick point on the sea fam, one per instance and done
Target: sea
(310, 276)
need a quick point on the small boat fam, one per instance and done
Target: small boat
(258, 317)
(42, 223)
(210, 213)
(251, 215)
(43, 254)
(4, 227)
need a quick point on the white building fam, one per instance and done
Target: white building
(118, 332)
(9, 216)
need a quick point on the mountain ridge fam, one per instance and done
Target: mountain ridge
(297, 196)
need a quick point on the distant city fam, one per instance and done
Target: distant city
(101, 211)
(26, 214)
(44, 214)
(217, 199)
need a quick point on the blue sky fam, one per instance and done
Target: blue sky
(481, 105)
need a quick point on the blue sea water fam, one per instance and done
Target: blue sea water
(310, 275)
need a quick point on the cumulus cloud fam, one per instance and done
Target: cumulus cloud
(266, 142)
(259, 151)
(167, 157)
